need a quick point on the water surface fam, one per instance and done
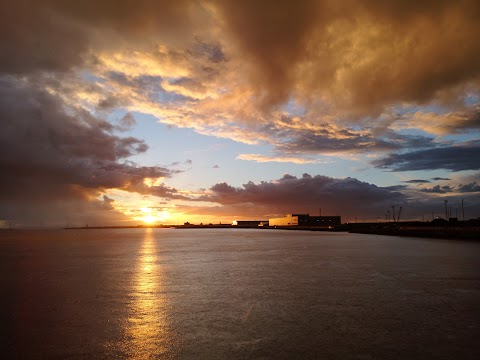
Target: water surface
(237, 293)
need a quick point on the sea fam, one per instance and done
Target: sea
(146, 293)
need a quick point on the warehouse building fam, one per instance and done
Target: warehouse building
(306, 220)
(250, 223)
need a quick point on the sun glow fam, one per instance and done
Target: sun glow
(152, 215)
(149, 219)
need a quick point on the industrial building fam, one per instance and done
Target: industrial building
(306, 220)
(250, 223)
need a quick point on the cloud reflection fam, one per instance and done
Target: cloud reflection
(146, 329)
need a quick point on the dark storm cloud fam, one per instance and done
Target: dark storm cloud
(467, 188)
(471, 187)
(275, 35)
(306, 194)
(137, 16)
(438, 190)
(306, 141)
(347, 197)
(50, 154)
(289, 45)
(325, 139)
(34, 38)
(312, 42)
(417, 181)
(55, 35)
(454, 158)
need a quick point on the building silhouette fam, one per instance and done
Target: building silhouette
(306, 220)
(250, 223)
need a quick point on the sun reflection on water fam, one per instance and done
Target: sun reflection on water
(146, 329)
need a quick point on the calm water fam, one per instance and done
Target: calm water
(239, 294)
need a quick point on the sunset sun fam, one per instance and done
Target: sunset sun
(150, 215)
(149, 219)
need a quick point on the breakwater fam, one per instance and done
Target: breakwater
(447, 232)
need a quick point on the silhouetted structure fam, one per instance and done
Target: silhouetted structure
(250, 223)
(306, 220)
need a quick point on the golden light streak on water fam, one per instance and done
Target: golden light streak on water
(147, 332)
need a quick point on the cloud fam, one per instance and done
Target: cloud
(471, 187)
(319, 47)
(161, 190)
(438, 190)
(456, 122)
(318, 53)
(196, 65)
(417, 181)
(282, 159)
(127, 122)
(295, 135)
(454, 158)
(51, 155)
(308, 78)
(347, 197)
(52, 35)
(440, 179)
(311, 49)
(107, 202)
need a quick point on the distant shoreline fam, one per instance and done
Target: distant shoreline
(452, 233)
(218, 226)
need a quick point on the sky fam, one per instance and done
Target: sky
(131, 112)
